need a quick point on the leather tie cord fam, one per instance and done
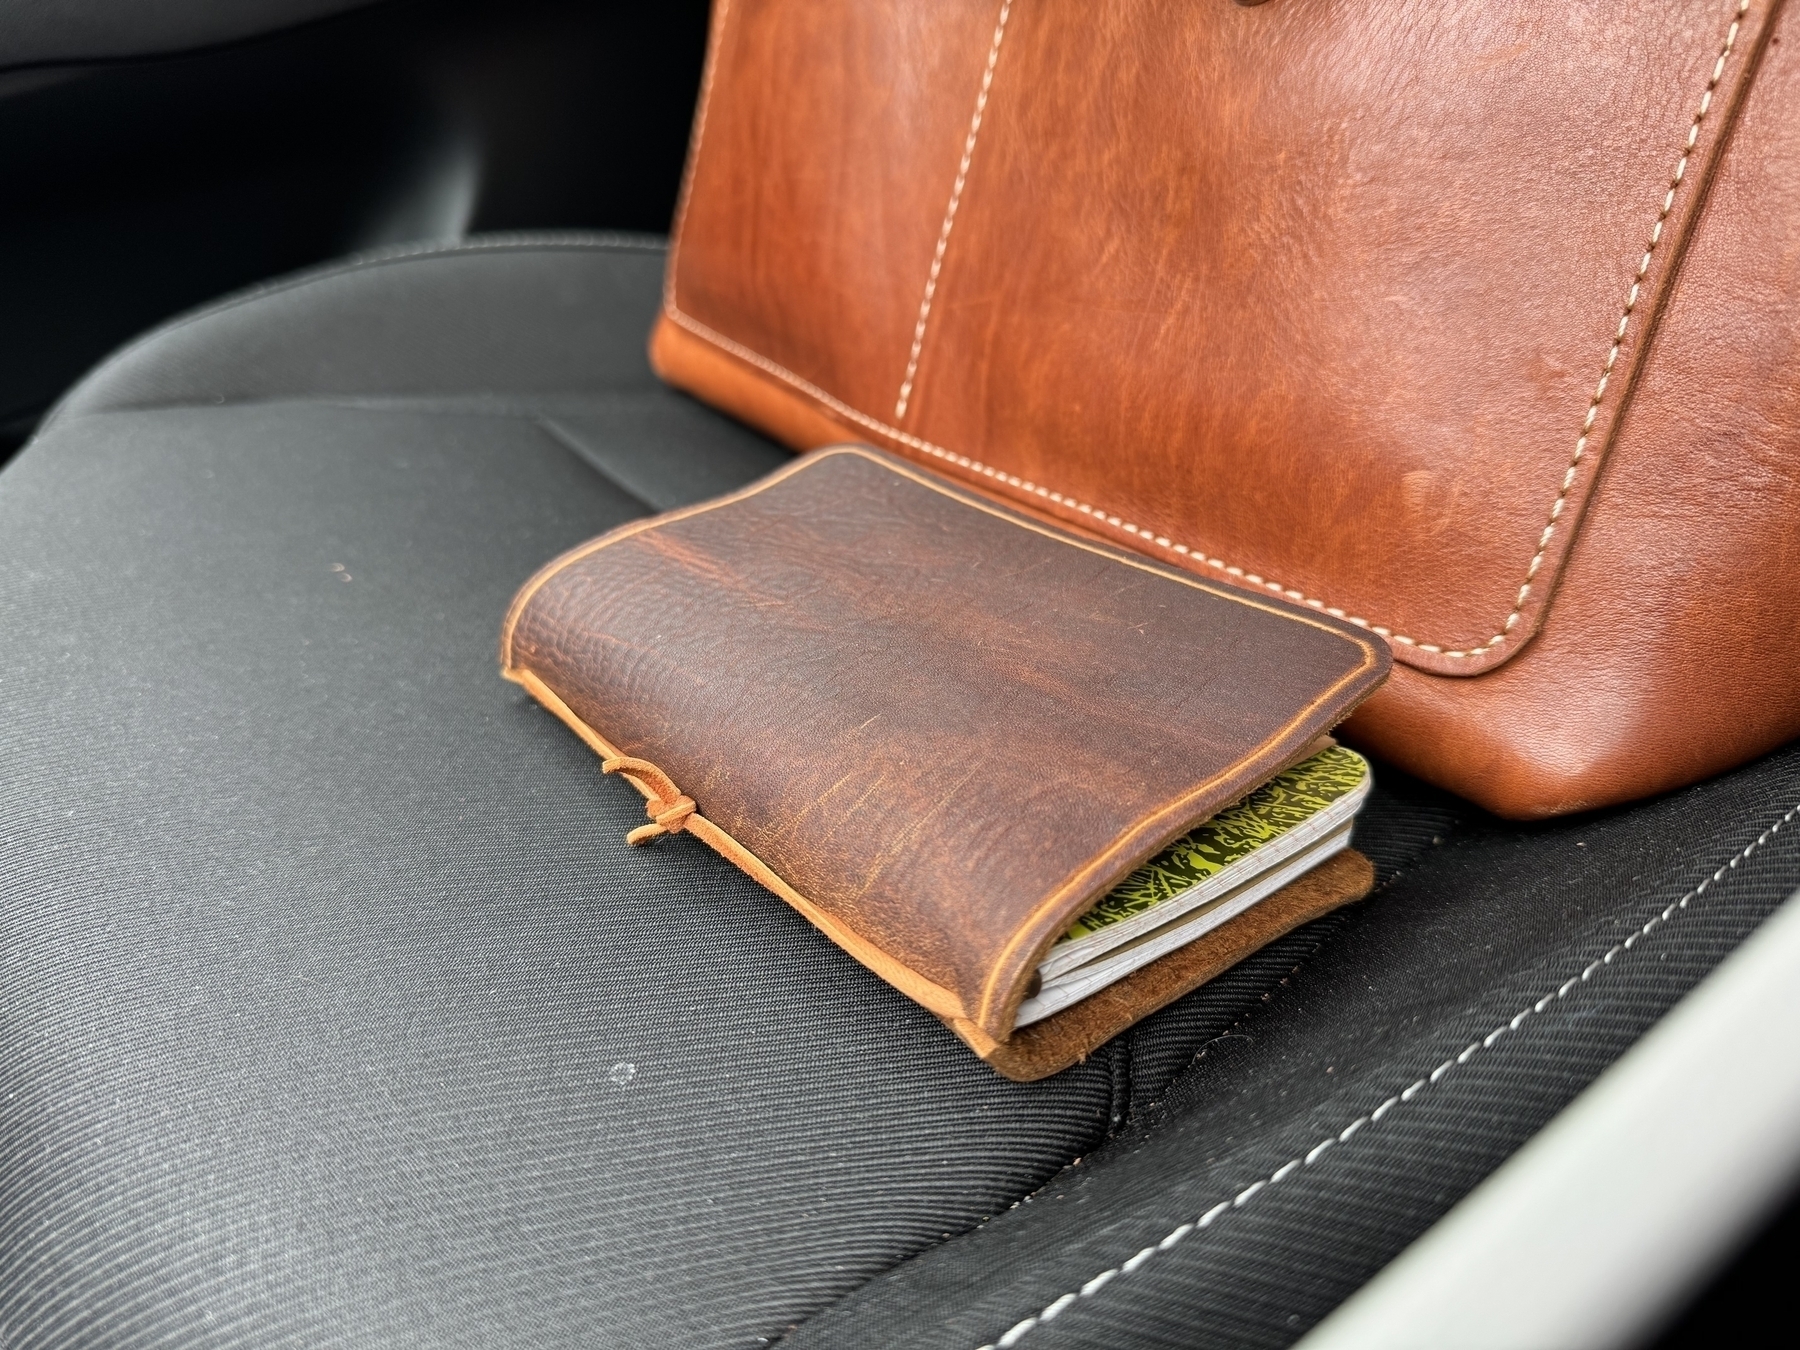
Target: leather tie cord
(668, 807)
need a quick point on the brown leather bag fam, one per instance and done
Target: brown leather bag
(1473, 323)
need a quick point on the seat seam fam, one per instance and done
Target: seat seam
(568, 442)
(374, 404)
(1014, 1334)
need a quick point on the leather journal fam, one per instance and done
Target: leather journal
(940, 728)
(1473, 324)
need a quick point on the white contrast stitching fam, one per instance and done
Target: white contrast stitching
(1100, 514)
(943, 241)
(1618, 338)
(1013, 1334)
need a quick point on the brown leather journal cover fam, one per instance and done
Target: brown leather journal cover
(937, 727)
(1474, 324)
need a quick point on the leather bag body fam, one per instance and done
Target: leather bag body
(1472, 324)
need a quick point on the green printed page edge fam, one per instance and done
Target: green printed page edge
(1288, 800)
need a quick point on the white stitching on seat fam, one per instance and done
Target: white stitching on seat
(956, 191)
(673, 310)
(1100, 1281)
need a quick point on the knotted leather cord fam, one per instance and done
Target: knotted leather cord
(942, 1001)
(668, 807)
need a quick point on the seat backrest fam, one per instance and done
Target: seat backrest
(94, 30)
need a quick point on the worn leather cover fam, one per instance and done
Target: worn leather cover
(1474, 324)
(939, 728)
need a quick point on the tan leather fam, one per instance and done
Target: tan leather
(1473, 324)
(937, 727)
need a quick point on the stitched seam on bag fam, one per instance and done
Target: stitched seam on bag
(1618, 338)
(1199, 554)
(1098, 513)
(943, 241)
(1051, 1311)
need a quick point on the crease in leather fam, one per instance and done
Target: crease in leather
(1009, 969)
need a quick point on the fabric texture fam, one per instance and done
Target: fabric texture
(335, 1011)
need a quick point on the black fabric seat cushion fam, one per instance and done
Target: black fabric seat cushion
(334, 1009)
